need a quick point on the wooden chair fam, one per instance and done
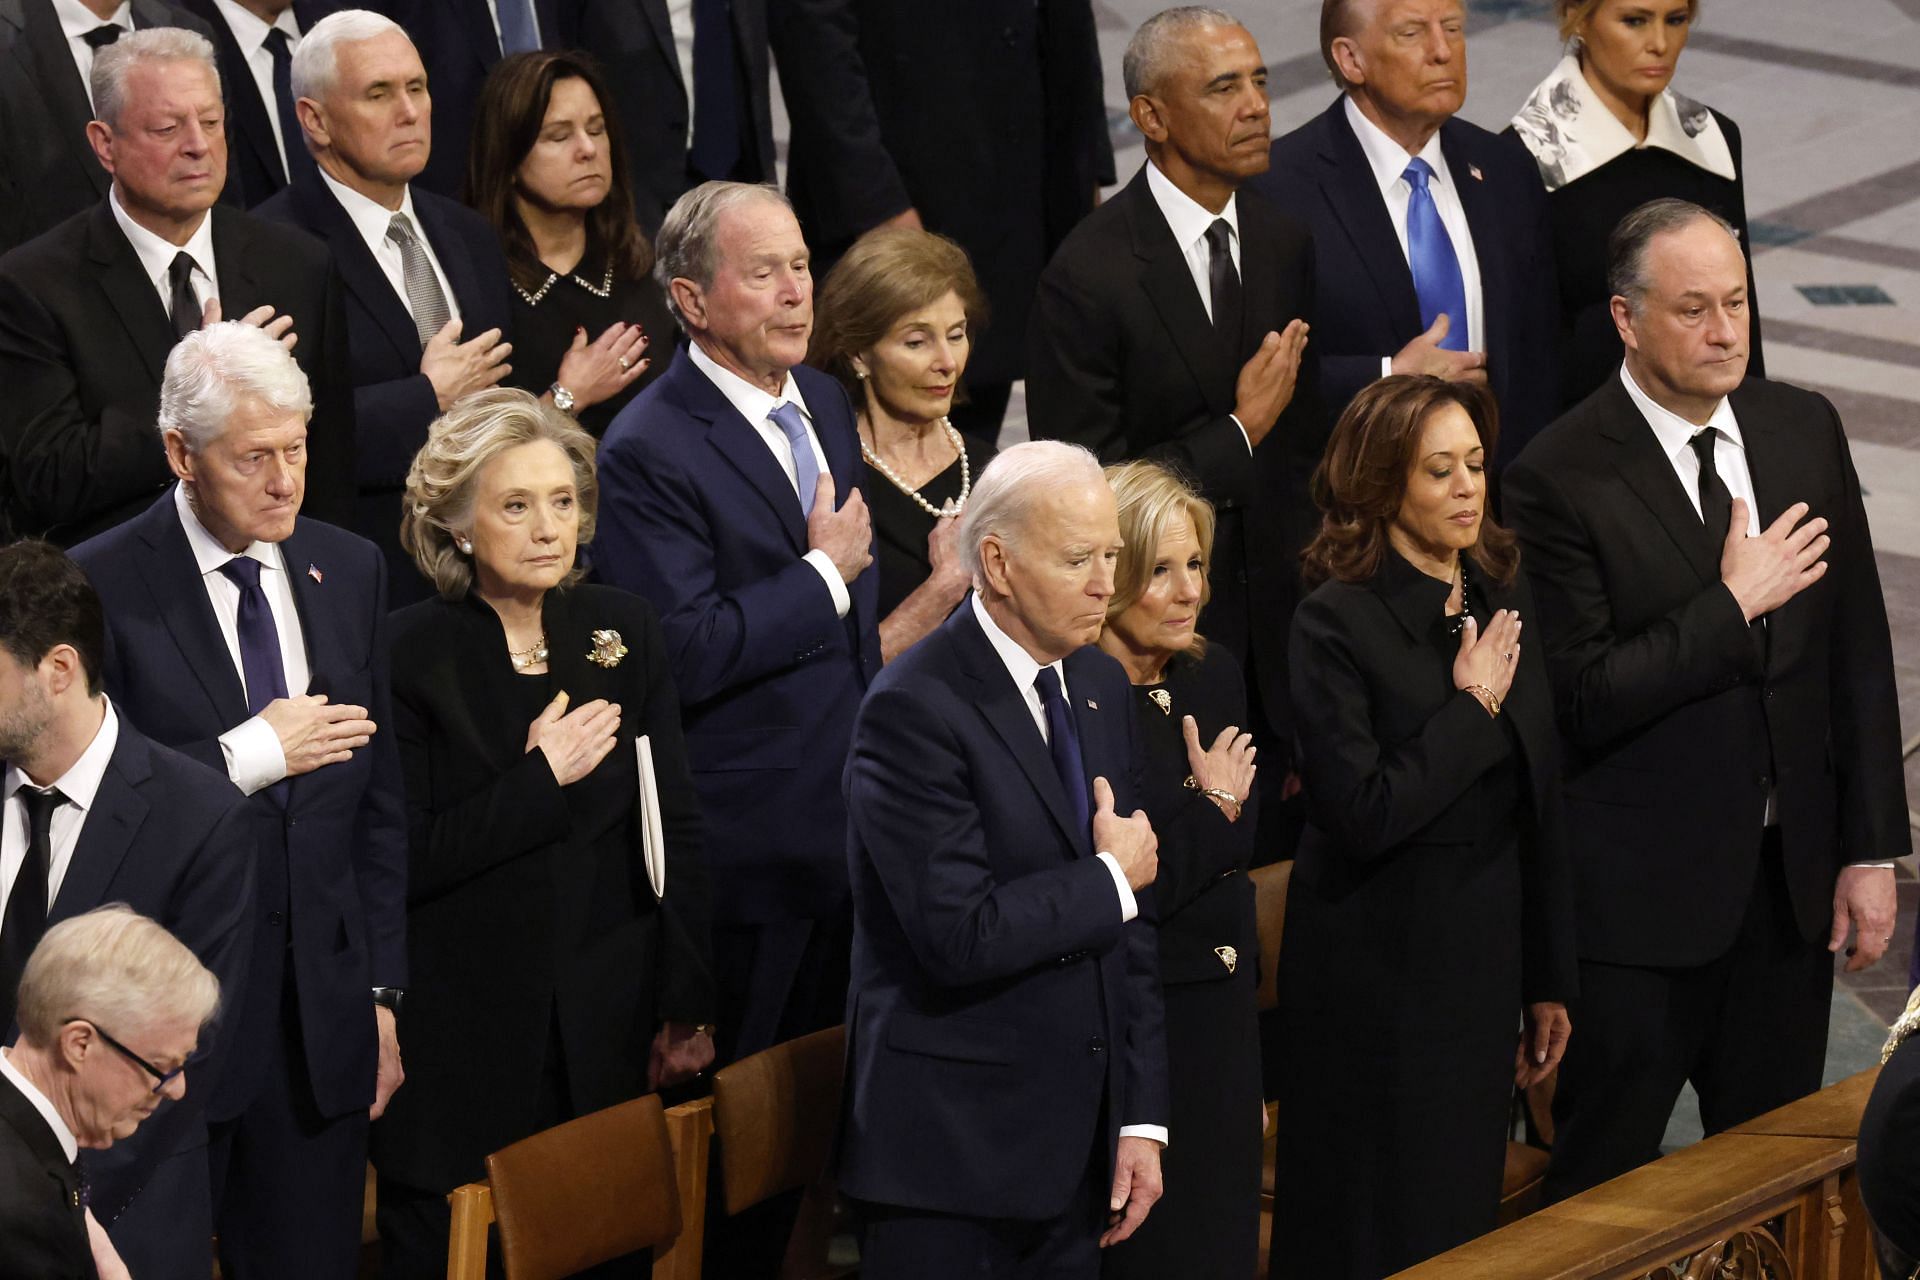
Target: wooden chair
(1270, 907)
(628, 1178)
(774, 1117)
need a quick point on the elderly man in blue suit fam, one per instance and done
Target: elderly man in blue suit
(1007, 1095)
(253, 640)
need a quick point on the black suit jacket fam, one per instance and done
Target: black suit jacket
(1678, 716)
(390, 394)
(633, 41)
(84, 339)
(991, 969)
(41, 1218)
(1008, 177)
(254, 168)
(172, 839)
(1125, 362)
(1367, 308)
(48, 171)
(330, 911)
(530, 906)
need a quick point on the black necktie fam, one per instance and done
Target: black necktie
(26, 916)
(100, 37)
(1064, 745)
(259, 638)
(1716, 502)
(299, 161)
(186, 307)
(1223, 279)
(715, 146)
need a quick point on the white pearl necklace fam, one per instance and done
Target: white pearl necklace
(952, 506)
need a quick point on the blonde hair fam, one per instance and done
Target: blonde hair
(1574, 14)
(1149, 497)
(115, 966)
(441, 482)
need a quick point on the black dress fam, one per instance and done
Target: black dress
(1584, 213)
(589, 297)
(901, 525)
(1206, 1225)
(1429, 902)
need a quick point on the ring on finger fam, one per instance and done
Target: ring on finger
(625, 364)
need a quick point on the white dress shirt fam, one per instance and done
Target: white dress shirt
(1389, 160)
(757, 407)
(680, 20)
(79, 784)
(75, 21)
(1189, 220)
(251, 35)
(252, 749)
(371, 219)
(156, 256)
(1676, 434)
(1024, 671)
(41, 1103)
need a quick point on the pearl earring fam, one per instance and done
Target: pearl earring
(466, 546)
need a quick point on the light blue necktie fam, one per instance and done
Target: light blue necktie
(1436, 268)
(806, 468)
(519, 28)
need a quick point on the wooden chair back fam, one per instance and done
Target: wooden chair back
(1270, 907)
(774, 1116)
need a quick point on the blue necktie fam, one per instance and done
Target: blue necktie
(299, 160)
(806, 468)
(519, 28)
(1436, 268)
(1064, 745)
(715, 148)
(259, 637)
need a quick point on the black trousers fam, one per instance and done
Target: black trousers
(1748, 1030)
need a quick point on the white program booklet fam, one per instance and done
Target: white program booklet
(653, 841)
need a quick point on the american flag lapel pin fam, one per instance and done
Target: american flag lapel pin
(1478, 176)
(313, 571)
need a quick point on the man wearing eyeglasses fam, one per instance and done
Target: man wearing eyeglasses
(93, 812)
(67, 1084)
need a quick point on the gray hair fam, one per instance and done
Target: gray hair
(107, 82)
(684, 249)
(115, 967)
(212, 371)
(1151, 52)
(1005, 495)
(316, 62)
(442, 483)
(1628, 244)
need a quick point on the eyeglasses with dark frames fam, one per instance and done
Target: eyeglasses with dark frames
(161, 1078)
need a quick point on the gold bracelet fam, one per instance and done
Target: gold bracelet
(1492, 699)
(1229, 801)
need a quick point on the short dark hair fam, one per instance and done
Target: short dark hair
(45, 600)
(1627, 245)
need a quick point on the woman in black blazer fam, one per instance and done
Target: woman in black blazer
(1187, 693)
(1608, 135)
(1428, 914)
(549, 976)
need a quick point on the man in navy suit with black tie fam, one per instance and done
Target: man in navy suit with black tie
(1418, 215)
(1006, 1076)
(254, 640)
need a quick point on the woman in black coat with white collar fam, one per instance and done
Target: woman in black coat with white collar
(554, 971)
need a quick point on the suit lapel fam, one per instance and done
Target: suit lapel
(358, 270)
(1346, 181)
(472, 18)
(107, 834)
(310, 602)
(245, 103)
(240, 290)
(1483, 224)
(173, 579)
(1650, 477)
(453, 256)
(131, 296)
(51, 64)
(736, 440)
(656, 15)
(1169, 286)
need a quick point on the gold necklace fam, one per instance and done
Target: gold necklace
(532, 656)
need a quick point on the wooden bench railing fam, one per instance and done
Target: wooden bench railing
(1774, 1199)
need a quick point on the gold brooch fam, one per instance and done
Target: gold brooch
(1228, 957)
(1161, 699)
(607, 649)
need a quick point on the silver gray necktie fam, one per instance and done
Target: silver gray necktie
(424, 299)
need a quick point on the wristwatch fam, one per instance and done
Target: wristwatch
(389, 997)
(562, 398)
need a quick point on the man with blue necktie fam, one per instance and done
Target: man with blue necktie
(1431, 244)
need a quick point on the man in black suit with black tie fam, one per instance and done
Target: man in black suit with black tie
(1705, 588)
(1417, 215)
(48, 171)
(95, 813)
(256, 40)
(427, 297)
(254, 640)
(89, 310)
(1171, 325)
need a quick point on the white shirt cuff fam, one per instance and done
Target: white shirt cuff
(830, 574)
(1128, 907)
(1157, 1132)
(1243, 431)
(1873, 866)
(1386, 366)
(254, 758)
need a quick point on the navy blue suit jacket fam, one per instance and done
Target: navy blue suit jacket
(173, 840)
(997, 998)
(696, 516)
(1366, 307)
(332, 869)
